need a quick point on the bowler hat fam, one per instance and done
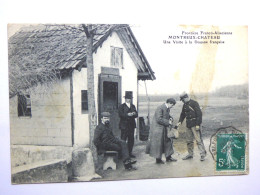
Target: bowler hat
(183, 95)
(105, 114)
(128, 95)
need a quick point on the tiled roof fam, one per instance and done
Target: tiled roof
(63, 46)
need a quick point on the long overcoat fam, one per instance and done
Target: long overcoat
(159, 143)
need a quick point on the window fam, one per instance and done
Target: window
(84, 101)
(117, 57)
(24, 105)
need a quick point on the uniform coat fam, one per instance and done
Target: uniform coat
(191, 111)
(159, 142)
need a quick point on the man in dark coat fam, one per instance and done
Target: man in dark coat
(127, 114)
(191, 111)
(159, 143)
(104, 140)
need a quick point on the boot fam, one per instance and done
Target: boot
(170, 159)
(189, 156)
(128, 165)
(159, 161)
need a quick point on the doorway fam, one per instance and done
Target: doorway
(110, 99)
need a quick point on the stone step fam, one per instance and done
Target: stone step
(29, 154)
(46, 171)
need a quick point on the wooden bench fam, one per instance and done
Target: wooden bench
(110, 160)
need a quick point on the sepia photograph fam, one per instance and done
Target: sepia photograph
(109, 102)
(129, 97)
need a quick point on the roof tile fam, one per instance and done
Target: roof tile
(62, 46)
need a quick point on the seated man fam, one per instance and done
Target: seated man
(104, 140)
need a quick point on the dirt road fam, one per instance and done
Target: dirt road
(148, 169)
(217, 112)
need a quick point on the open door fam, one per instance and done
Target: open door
(110, 99)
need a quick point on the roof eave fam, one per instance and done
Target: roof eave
(145, 76)
(150, 71)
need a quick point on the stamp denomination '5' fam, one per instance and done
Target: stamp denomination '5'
(231, 152)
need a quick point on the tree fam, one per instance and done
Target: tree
(90, 32)
(34, 70)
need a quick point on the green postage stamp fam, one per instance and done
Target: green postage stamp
(231, 152)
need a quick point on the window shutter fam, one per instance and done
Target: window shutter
(116, 57)
(84, 101)
(112, 56)
(121, 58)
(24, 105)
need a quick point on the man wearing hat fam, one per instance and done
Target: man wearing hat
(159, 142)
(127, 114)
(192, 112)
(104, 140)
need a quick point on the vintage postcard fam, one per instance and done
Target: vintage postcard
(98, 102)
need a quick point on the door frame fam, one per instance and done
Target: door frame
(109, 78)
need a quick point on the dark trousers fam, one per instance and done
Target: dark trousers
(128, 135)
(120, 147)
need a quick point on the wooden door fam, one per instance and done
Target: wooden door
(110, 99)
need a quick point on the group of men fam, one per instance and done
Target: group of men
(159, 142)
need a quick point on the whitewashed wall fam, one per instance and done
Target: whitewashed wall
(81, 124)
(100, 59)
(50, 123)
(128, 74)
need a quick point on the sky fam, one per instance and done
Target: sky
(193, 67)
(196, 68)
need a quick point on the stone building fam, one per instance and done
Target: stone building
(48, 121)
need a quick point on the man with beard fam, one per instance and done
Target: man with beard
(159, 142)
(104, 140)
(192, 112)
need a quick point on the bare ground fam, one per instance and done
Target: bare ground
(217, 112)
(148, 169)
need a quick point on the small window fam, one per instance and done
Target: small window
(24, 105)
(117, 57)
(84, 101)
